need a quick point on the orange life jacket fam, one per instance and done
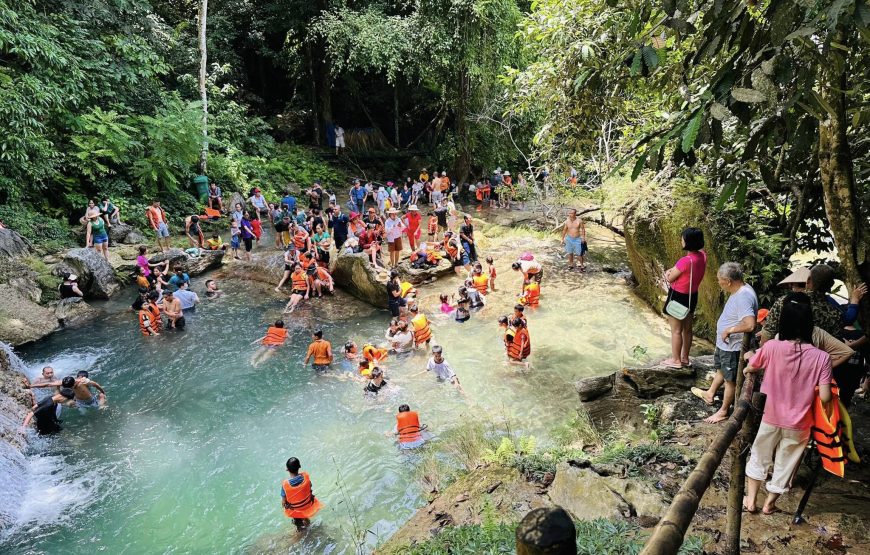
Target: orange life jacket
(531, 294)
(408, 426)
(520, 348)
(301, 500)
(307, 260)
(433, 257)
(275, 336)
(373, 354)
(155, 216)
(826, 432)
(300, 280)
(432, 225)
(156, 321)
(146, 316)
(323, 274)
(452, 250)
(300, 238)
(481, 283)
(212, 213)
(422, 331)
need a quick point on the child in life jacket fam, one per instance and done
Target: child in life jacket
(276, 336)
(408, 428)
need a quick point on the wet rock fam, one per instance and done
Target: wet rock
(126, 234)
(74, 311)
(656, 381)
(423, 275)
(192, 265)
(594, 387)
(236, 198)
(96, 276)
(27, 286)
(22, 320)
(588, 496)
(12, 244)
(354, 273)
(265, 267)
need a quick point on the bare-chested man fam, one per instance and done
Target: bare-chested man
(172, 309)
(47, 377)
(84, 397)
(574, 239)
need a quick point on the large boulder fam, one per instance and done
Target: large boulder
(12, 244)
(21, 319)
(192, 265)
(354, 273)
(236, 198)
(74, 311)
(96, 276)
(126, 234)
(424, 275)
(594, 387)
(589, 496)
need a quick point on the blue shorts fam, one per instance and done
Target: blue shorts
(92, 404)
(162, 230)
(412, 444)
(575, 245)
(235, 242)
(100, 239)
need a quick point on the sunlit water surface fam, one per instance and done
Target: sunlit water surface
(189, 455)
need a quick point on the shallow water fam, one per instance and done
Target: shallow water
(189, 454)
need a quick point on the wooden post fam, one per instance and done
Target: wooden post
(547, 531)
(668, 535)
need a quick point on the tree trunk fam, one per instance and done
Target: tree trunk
(203, 93)
(836, 169)
(462, 162)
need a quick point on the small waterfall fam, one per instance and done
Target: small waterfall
(13, 464)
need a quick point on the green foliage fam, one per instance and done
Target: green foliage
(509, 449)
(595, 537)
(638, 456)
(43, 231)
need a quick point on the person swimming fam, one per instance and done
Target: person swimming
(276, 336)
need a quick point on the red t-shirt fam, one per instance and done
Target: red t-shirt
(694, 264)
(414, 218)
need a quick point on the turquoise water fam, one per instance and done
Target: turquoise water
(189, 454)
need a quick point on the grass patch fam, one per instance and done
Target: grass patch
(47, 281)
(637, 456)
(596, 537)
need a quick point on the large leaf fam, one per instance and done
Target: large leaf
(719, 111)
(638, 165)
(690, 133)
(636, 64)
(749, 96)
(740, 193)
(725, 194)
(650, 57)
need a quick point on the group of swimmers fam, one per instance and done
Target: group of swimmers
(71, 391)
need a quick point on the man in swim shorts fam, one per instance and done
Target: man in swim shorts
(321, 351)
(84, 397)
(574, 239)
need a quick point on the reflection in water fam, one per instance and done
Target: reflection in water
(189, 455)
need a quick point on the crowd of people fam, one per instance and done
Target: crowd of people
(807, 344)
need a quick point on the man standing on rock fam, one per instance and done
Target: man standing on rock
(159, 223)
(737, 318)
(574, 239)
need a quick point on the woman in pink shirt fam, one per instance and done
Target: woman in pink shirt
(793, 368)
(685, 279)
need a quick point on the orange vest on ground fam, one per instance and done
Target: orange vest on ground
(275, 336)
(373, 354)
(481, 283)
(301, 500)
(422, 331)
(520, 348)
(531, 294)
(826, 432)
(300, 280)
(408, 425)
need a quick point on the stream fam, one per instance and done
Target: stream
(189, 454)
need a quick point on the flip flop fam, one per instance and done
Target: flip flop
(686, 363)
(747, 510)
(773, 512)
(699, 393)
(668, 363)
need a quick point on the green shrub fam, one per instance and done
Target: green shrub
(596, 537)
(638, 455)
(43, 231)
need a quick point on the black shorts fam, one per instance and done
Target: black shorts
(684, 299)
(288, 268)
(249, 244)
(726, 362)
(299, 292)
(395, 305)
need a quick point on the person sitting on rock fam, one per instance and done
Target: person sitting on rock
(70, 287)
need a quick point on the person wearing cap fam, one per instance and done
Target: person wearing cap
(738, 317)
(413, 219)
(46, 412)
(394, 227)
(70, 287)
(825, 316)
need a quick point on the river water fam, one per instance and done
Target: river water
(189, 454)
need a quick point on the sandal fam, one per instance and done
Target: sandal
(772, 512)
(699, 393)
(671, 363)
(686, 363)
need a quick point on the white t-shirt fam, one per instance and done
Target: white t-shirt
(393, 228)
(442, 369)
(741, 304)
(339, 132)
(258, 201)
(403, 342)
